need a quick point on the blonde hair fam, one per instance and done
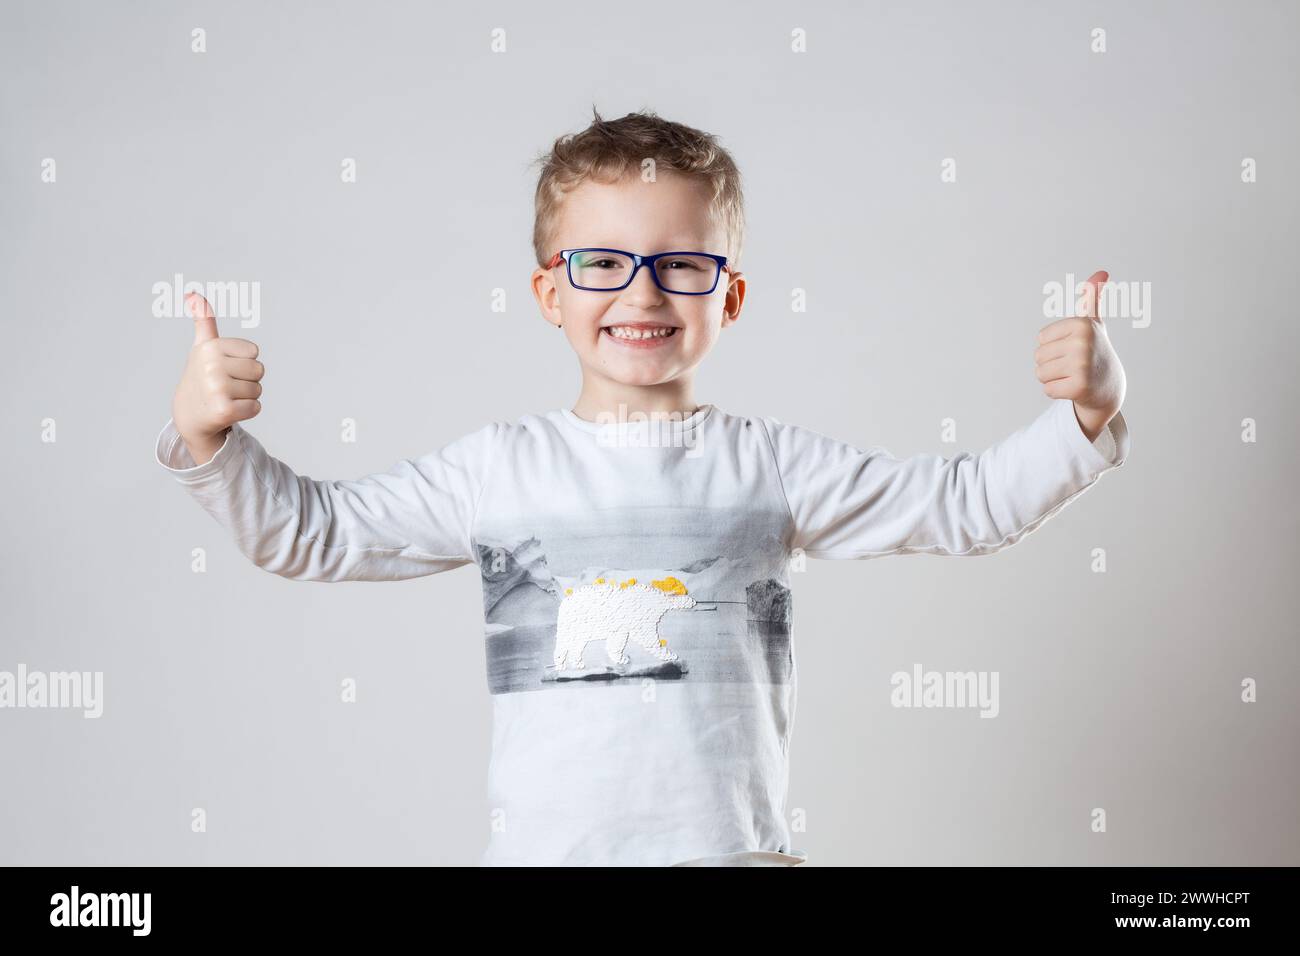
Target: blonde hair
(608, 150)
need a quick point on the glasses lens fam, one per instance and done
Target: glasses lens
(599, 270)
(687, 273)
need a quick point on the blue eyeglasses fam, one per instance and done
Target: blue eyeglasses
(608, 270)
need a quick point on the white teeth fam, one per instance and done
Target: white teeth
(624, 332)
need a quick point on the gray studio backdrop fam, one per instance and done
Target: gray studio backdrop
(1119, 691)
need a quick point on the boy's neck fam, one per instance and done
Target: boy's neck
(602, 399)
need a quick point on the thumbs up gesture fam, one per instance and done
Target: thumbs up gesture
(1075, 360)
(221, 384)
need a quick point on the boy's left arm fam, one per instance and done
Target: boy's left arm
(853, 504)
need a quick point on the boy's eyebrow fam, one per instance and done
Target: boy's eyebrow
(678, 245)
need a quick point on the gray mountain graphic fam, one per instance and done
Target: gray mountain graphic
(517, 584)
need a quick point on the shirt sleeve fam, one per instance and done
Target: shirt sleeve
(848, 503)
(415, 519)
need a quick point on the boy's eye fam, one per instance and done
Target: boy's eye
(684, 263)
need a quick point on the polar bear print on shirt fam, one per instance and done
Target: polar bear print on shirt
(615, 614)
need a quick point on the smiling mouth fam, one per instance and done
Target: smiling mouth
(641, 336)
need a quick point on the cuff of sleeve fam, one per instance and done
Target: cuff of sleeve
(176, 459)
(1105, 443)
(1111, 447)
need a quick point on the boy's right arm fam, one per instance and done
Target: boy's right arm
(415, 519)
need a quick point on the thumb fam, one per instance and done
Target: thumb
(205, 322)
(1092, 293)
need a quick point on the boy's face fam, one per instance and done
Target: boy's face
(670, 215)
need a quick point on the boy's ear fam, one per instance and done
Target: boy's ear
(547, 296)
(735, 299)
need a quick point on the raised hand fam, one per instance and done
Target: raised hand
(1075, 360)
(221, 384)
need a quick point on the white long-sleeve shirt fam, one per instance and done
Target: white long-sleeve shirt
(637, 596)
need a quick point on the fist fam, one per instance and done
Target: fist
(221, 384)
(1075, 360)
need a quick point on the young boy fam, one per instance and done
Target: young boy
(635, 549)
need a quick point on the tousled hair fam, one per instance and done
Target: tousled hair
(608, 150)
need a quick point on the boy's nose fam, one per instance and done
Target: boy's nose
(643, 286)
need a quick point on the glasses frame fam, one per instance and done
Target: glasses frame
(637, 262)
